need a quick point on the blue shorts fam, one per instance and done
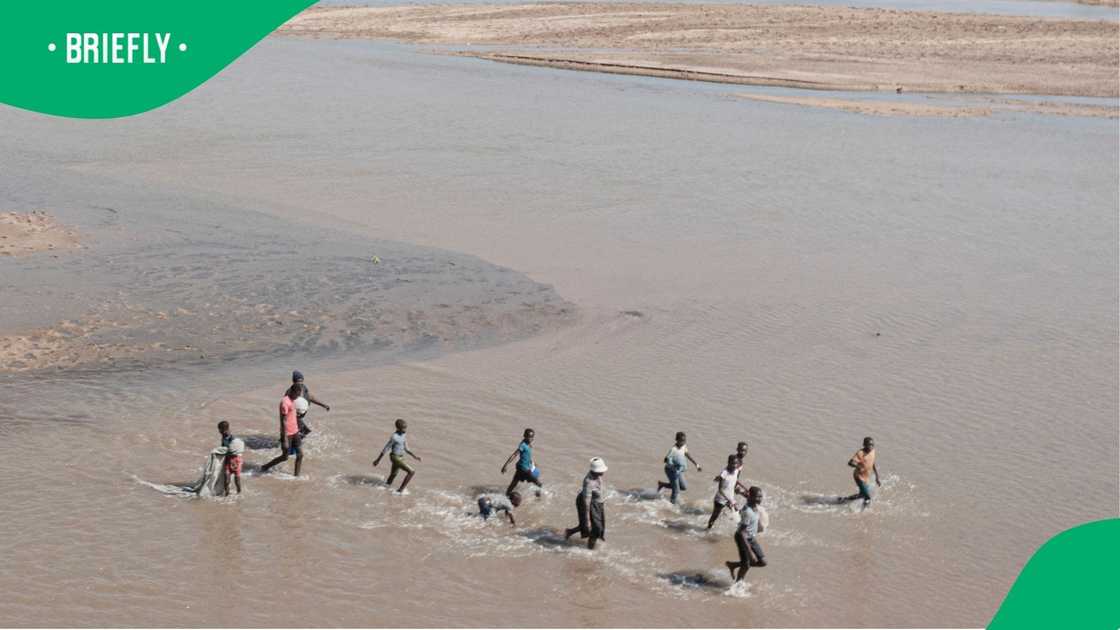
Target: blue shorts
(864, 489)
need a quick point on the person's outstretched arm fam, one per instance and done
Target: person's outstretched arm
(315, 401)
(509, 515)
(509, 459)
(875, 467)
(388, 445)
(414, 455)
(694, 462)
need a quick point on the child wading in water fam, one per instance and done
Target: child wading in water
(752, 521)
(526, 469)
(397, 446)
(233, 456)
(675, 465)
(491, 504)
(726, 483)
(864, 464)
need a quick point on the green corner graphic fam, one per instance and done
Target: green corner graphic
(86, 59)
(1071, 582)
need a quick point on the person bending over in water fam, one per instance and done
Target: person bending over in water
(291, 442)
(589, 506)
(397, 446)
(725, 489)
(233, 459)
(750, 526)
(676, 462)
(491, 504)
(297, 379)
(526, 469)
(864, 463)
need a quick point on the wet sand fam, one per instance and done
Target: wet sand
(793, 46)
(23, 233)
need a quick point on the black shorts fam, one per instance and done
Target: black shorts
(526, 476)
(750, 552)
(295, 443)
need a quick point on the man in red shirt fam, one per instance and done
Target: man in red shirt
(291, 442)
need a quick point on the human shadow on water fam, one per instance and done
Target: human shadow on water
(549, 538)
(261, 442)
(476, 490)
(640, 494)
(694, 510)
(694, 578)
(364, 480)
(822, 499)
(684, 527)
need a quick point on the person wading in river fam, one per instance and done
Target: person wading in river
(589, 506)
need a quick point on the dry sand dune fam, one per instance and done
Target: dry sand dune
(797, 46)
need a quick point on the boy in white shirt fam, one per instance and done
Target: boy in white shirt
(725, 490)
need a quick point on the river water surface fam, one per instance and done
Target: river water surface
(607, 259)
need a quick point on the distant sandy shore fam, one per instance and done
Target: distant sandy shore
(906, 108)
(794, 46)
(23, 233)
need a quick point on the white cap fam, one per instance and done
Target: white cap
(598, 465)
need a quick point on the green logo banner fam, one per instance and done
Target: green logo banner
(1070, 582)
(87, 59)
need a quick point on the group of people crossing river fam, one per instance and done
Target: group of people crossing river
(590, 508)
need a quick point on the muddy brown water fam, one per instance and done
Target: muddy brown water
(632, 257)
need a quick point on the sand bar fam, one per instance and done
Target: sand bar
(795, 46)
(23, 233)
(934, 110)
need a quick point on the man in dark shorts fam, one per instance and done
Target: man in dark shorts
(750, 552)
(526, 469)
(291, 442)
(297, 379)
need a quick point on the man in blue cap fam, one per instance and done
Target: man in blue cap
(297, 379)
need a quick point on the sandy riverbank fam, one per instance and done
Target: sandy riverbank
(794, 46)
(23, 233)
(906, 108)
